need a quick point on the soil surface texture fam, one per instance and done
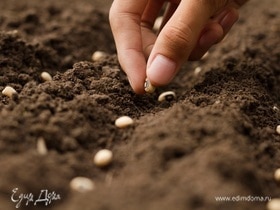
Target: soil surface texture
(216, 138)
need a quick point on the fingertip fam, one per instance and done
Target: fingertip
(137, 85)
(133, 63)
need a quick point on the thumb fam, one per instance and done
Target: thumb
(178, 38)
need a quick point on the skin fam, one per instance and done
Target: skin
(189, 29)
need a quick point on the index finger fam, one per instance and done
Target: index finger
(125, 21)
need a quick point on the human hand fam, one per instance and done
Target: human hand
(190, 28)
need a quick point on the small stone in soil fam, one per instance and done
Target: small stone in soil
(82, 184)
(103, 158)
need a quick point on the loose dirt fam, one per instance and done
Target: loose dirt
(217, 138)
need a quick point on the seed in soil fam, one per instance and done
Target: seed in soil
(46, 76)
(82, 184)
(277, 174)
(98, 55)
(217, 102)
(278, 129)
(167, 96)
(9, 91)
(149, 88)
(273, 204)
(275, 108)
(13, 33)
(197, 70)
(205, 56)
(41, 146)
(103, 158)
(123, 122)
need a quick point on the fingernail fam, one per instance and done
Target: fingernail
(161, 71)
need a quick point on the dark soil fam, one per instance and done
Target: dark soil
(217, 138)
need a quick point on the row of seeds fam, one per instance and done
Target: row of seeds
(101, 159)
(274, 204)
(10, 91)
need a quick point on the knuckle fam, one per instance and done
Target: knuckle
(214, 5)
(178, 38)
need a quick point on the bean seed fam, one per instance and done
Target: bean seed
(46, 76)
(41, 146)
(12, 32)
(103, 158)
(149, 88)
(9, 91)
(277, 174)
(217, 102)
(157, 24)
(197, 70)
(273, 204)
(123, 122)
(82, 184)
(275, 108)
(205, 56)
(278, 129)
(167, 96)
(98, 55)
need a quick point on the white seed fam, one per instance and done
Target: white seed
(98, 55)
(9, 91)
(273, 204)
(46, 76)
(13, 32)
(197, 70)
(149, 88)
(275, 108)
(278, 129)
(225, 38)
(157, 24)
(103, 158)
(277, 174)
(205, 56)
(41, 146)
(82, 184)
(167, 96)
(123, 122)
(217, 102)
